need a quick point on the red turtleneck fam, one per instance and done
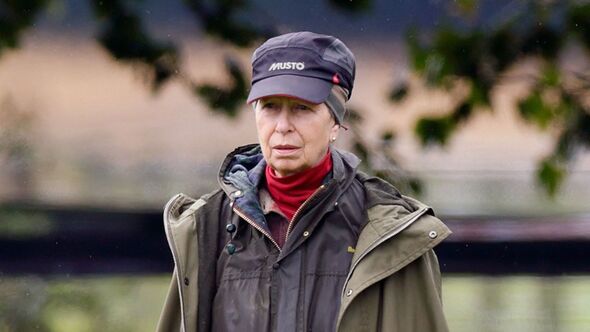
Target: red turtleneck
(289, 192)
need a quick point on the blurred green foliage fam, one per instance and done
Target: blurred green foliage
(481, 56)
(535, 110)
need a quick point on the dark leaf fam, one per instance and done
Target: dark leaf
(576, 132)
(534, 109)
(417, 52)
(228, 100)
(550, 175)
(399, 92)
(106, 8)
(504, 47)
(566, 144)
(480, 94)
(435, 130)
(237, 74)
(352, 6)
(388, 136)
(218, 99)
(583, 128)
(542, 40)
(15, 17)
(551, 75)
(416, 186)
(578, 21)
(460, 52)
(354, 116)
(462, 112)
(361, 150)
(124, 36)
(220, 19)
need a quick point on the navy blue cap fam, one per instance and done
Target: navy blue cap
(304, 65)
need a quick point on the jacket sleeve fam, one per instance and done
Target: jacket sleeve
(412, 300)
(422, 295)
(407, 301)
(170, 317)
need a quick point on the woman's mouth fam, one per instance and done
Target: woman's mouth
(285, 149)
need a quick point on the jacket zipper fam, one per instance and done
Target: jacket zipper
(301, 208)
(381, 240)
(255, 225)
(175, 259)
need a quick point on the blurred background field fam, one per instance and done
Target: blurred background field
(120, 303)
(478, 108)
(132, 303)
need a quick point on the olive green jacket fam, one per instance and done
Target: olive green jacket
(394, 283)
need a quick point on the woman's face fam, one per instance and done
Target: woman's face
(294, 135)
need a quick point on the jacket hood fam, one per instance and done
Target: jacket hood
(242, 169)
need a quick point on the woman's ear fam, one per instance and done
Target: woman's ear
(334, 132)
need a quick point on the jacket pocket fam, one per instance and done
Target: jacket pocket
(241, 302)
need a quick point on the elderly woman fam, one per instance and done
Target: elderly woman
(296, 238)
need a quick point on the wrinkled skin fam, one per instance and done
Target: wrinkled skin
(294, 135)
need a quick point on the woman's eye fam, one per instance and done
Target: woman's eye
(269, 105)
(301, 107)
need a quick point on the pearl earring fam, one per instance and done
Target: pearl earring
(333, 139)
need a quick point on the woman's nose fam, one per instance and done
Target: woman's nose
(284, 123)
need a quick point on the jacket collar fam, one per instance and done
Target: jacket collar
(242, 171)
(248, 158)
